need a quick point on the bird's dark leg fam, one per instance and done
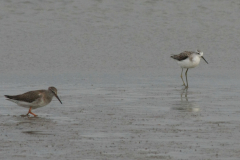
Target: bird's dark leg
(186, 77)
(31, 112)
(182, 78)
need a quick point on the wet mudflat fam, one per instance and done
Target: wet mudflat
(151, 119)
(121, 91)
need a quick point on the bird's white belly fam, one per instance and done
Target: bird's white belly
(34, 105)
(40, 103)
(189, 64)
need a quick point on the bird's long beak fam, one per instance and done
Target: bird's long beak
(57, 97)
(204, 59)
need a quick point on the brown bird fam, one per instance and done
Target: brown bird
(34, 99)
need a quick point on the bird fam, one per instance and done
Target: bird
(188, 59)
(34, 99)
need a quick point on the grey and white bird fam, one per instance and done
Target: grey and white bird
(188, 59)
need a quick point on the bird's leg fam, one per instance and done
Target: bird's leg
(31, 112)
(182, 78)
(186, 78)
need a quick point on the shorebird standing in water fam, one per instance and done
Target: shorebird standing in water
(34, 99)
(188, 59)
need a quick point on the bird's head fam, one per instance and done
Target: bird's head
(200, 53)
(54, 91)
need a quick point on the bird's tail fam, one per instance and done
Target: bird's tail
(7, 96)
(173, 56)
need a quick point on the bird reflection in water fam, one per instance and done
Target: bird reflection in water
(185, 105)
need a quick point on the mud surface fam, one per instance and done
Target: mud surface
(147, 119)
(121, 92)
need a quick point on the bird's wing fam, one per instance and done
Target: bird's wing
(30, 96)
(182, 56)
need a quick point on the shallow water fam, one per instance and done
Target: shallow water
(122, 119)
(122, 95)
